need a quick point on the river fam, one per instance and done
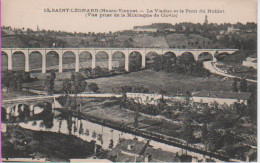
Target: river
(55, 121)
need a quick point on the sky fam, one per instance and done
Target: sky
(30, 13)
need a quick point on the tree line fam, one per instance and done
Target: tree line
(14, 80)
(184, 64)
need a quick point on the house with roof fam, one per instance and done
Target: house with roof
(221, 97)
(128, 150)
(153, 99)
(144, 29)
(89, 160)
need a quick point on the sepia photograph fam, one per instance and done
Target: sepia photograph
(129, 81)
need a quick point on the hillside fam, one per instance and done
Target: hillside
(138, 41)
(159, 26)
(12, 41)
(187, 41)
(150, 41)
(239, 56)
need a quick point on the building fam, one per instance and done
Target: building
(140, 151)
(89, 160)
(220, 97)
(206, 20)
(231, 29)
(145, 29)
(250, 62)
(153, 99)
(170, 30)
(3, 128)
(23, 160)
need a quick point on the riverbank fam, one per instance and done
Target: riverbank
(55, 147)
(156, 129)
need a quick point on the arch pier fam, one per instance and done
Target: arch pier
(109, 51)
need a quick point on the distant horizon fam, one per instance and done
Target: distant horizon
(57, 30)
(30, 13)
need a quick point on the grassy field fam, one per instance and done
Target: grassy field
(154, 81)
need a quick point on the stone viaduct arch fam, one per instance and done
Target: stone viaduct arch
(84, 56)
(136, 60)
(119, 56)
(4, 61)
(206, 55)
(109, 51)
(68, 58)
(33, 57)
(53, 59)
(20, 59)
(149, 57)
(221, 55)
(102, 55)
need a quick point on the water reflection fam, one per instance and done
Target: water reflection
(64, 123)
(24, 113)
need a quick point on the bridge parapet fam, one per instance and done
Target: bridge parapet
(29, 101)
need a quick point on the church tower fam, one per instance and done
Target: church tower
(206, 20)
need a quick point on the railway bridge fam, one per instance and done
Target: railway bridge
(109, 51)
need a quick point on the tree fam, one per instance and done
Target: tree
(19, 81)
(98, 71)
(51, 86)
(235, 88)
(243, 85)
(53, 75)
(66, 87)
(78, 83)
(187, 97)
(211, 140)
(135, 61)
(204, 130)
(241, 109)
(93, 87)
(157, 64)
(187, 126)
(127, 44)
(186, 60)
(187, 130)
(167, 66)
(48, 85)
(125, 89)
(136, 119)
(5, 81)
(252, 103)
(162, 92)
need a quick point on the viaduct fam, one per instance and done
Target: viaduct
(109, 51)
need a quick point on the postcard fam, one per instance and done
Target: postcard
(129, 81)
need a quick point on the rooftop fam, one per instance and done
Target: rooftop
(136, 151)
